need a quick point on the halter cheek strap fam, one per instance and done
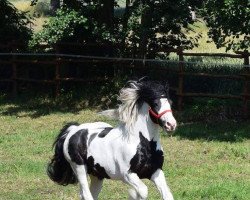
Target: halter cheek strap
(156, 116)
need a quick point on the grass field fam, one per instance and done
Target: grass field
(202, 161)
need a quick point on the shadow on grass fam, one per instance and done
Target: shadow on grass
(36, 101)
(41, 105)
(228, 131)
(36, 107)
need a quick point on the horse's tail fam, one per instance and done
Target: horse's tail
(59, 170)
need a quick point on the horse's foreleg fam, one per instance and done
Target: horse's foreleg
(133, 195)
(140, 191)
(159, 179)
(95, 186)
(81, 173)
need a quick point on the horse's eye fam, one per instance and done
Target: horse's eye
(156, 104)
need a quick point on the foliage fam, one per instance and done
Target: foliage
(13, 24)
(228, 21)
(41, 8)
(160, 24)
(141, 29)
(68, 26)
(145, 26)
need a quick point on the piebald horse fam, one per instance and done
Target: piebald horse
(128, 152)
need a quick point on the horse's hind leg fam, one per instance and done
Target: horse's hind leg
(95, 186)
(81, 173)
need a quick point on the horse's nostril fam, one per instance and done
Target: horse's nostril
(170, 126)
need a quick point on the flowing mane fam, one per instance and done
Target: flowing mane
(128, 109)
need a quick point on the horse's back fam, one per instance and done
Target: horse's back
(94, 125)
(78, 137)
(87, 144)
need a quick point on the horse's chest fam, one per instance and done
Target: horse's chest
(147, 158)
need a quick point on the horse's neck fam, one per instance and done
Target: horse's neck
(145, 125)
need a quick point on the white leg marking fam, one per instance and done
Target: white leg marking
(140, 188)
(81, 173)
(132, 194)
(159, 180)
(95, 186)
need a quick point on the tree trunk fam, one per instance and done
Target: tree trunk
(146, 21)
(54, 5)
(106, 15)
(125, 25)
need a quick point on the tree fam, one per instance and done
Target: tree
(144, 27)
(69, 25)
(155, 25)
(79, 21)
(101, 11)
(229, 23)
(13, 24)
(54, 5)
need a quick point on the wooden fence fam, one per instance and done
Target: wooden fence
(58, 59)
(245, 96)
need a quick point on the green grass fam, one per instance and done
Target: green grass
(202, 161)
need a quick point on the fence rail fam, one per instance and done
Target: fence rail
(57, 59)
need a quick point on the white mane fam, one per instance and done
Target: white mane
(127, 111)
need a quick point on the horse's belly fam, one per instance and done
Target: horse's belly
(113, 154)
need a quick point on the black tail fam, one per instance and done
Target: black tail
(59, 170)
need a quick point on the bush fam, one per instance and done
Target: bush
(69, 26)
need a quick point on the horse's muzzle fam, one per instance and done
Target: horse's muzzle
(170, 126)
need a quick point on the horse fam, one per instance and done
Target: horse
(128, 152)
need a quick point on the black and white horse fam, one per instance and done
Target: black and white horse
(129, 152)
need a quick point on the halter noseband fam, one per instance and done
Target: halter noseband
(157, 116)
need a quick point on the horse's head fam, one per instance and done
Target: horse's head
(157, 97)
(160, 113)
(154, 94)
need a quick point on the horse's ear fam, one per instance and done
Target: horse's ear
(166, 87)
(132, 84)
(144, 78)
(135, 83)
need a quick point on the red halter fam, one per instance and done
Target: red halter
(157, 116)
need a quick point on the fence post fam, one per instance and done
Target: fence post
(181, 78)
(14, 70)
(57, 72)
(246, 88)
